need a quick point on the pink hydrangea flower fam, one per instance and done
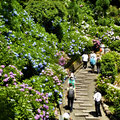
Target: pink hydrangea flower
(39, 111)
(6, 79)
(14, 83)
(40, 100)
(59, 84)
(5, 75)
(37, 117)
(2, 66)
(8, 47)
(1, 70)
(0, 74)
(22, 89)
(62, 61)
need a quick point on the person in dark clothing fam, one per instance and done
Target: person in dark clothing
(71, 95)
(98, 64)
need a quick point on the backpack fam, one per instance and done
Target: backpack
(71, 93)
(92, 60)
(98, 60)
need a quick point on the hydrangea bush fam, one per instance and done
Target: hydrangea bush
(35, 49)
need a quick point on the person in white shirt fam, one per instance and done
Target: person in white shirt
(85, 60)
(97, 98)
(93, 55)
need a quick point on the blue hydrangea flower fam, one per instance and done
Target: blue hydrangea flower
(49, 94)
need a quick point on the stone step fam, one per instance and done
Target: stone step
(80, 108)
(80, 102)
(79, 79)
(82, 98)
(87, 82)
(80, 75)
(79, 90)
(78, 83)
(92, 118)
(87, 111)
(81, 114)
(86, 105)
(82, 94)
(89, 78)
(82, 85)
(84, 72)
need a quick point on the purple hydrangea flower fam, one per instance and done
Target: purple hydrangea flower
(1, 70)
(37, 117)
(2, 66)
(39, 111)
(22, 89)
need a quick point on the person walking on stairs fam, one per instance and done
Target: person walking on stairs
(98, 64)
(85, 60)
(72, 81)
(97, 98)
(93, 60)
(71, 95)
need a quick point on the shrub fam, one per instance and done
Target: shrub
(10, 75)
(104, 21)
(102, 6)
(113, 11)
(108, 66)
(117, 20)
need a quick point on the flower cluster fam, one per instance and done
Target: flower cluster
(9, 75)
(96, 44)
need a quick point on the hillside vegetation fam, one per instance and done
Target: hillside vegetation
(37, 39)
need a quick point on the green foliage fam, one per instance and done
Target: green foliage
(104, 21)
(44, 12)
(115, 45)
(36, 43)
(101, 84)
(103, 3)
(117, 20)
(108, 66)
(101, 7)
(73, 11)
(113, 11)
(113, 97)
(117, 59)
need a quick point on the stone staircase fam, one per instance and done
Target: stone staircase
(84, 108)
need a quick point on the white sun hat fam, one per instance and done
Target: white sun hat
(66, 116)
(72, 75)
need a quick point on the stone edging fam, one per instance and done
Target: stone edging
(106, 110)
